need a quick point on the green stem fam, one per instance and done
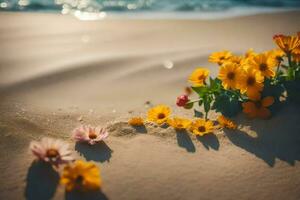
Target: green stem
(289, 55)
(277, 70)
(206, 113)
(194, 101)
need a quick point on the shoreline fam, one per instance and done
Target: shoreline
(238, 12)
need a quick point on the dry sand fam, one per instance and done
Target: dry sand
(55, 70)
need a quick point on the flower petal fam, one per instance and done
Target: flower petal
(263, 113)
(267, 101)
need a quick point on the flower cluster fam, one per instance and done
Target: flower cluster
(161, 115)
(252, 82)
(78, 175)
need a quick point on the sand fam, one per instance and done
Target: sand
(57, 72)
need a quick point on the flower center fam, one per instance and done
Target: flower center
(161, 116)
(231, 75)
(278, 58)
(79, 180)
(201, 129)
(52, 153)
(200, 78)
(222, 58)
(250, 81)
(263, 67)
(92, 135)
(179, 125)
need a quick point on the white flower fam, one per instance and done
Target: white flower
(90, 134)
(53, 151)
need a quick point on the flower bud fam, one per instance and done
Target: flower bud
(182, 100)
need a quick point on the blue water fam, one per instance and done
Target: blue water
(145, 6)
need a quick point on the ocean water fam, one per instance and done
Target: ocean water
(102, 8)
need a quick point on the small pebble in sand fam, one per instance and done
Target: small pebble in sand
(148, 104)
(80, 118)
(91, 111)
(168, 64)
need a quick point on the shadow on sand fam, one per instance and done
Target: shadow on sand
(140, 129)
(42, 181)
(278, 138)
(96, 195)
(209, 141)
(185, 141)
(98, 152)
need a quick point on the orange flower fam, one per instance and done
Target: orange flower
(226, 122)
(258, 109)
(287, 43)
(296, 54)
(136, 121)
(296, 57)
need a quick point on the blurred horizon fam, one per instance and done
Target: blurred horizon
(202, 8)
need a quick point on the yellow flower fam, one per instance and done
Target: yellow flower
(159, 114)
(277, 54)
(84, 176)
(179, 123)
(258, 108)
(230, 75)
(235, 59)
(287, 43)
(251, 83)
(136, 121)
(264, 63)
(201, 127)
(197, 78)
(226, 123)
(220, 57)
(250, 53)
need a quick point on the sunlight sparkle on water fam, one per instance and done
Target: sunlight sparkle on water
(3, 5)
(23, 2)
(89, 16)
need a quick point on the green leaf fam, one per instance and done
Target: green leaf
(200, 102)
(198, 113)
(227, 104)
(189, 105)
(201, 91)
(215, 85)
(291, 74)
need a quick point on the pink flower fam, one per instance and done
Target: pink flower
(89, 134)
(52, 151)
(182, 100)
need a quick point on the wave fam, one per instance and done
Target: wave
(138, 7)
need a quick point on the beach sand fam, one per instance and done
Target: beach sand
(57, 72)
